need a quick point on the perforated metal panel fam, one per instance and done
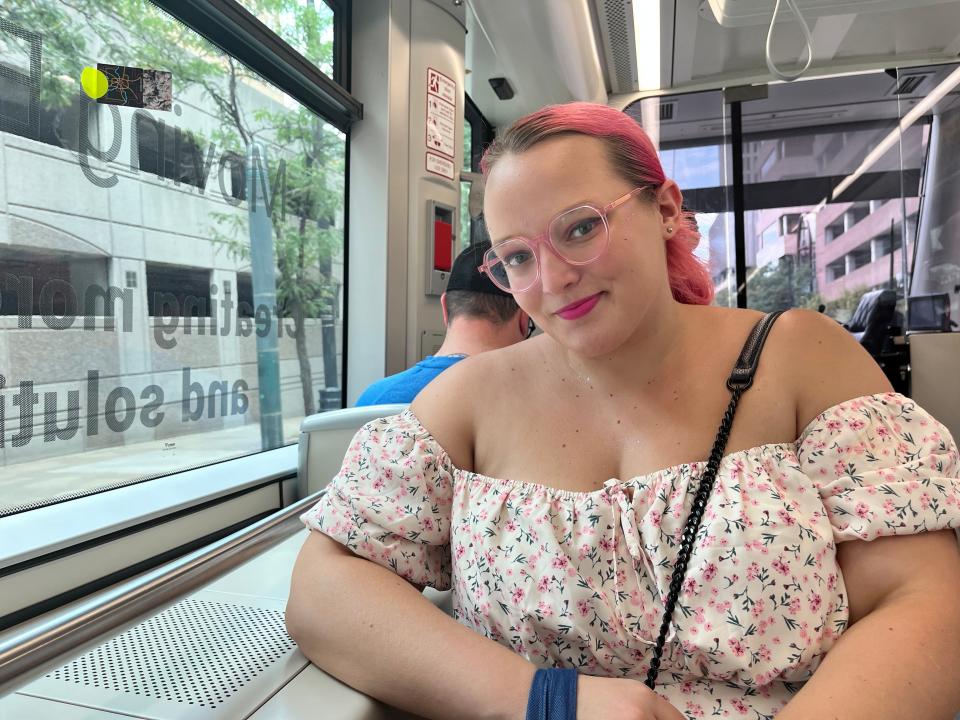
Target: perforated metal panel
(619, 45)
(196, 652)
(200, 658)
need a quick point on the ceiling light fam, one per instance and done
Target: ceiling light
(646, 30)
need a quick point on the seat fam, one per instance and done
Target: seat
(875, 321)
(324, 439)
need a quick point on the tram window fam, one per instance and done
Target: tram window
(113, 225)
(694, 148)
(933, 237)
(307, 25)
(818, 220)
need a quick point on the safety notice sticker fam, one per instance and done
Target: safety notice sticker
(439, 166)
(441, 125)
(440, 85)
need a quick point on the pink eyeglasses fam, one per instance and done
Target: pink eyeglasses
(578, 237)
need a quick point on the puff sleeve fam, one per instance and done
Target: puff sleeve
(390, 502)
(883, 466)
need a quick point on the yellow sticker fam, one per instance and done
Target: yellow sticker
(94, 82)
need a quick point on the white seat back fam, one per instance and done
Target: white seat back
(324, 439)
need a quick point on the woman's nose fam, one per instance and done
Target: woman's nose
(555, 273)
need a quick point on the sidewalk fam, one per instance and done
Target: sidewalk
(30, 482)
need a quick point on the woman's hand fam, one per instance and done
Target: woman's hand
(601, 698)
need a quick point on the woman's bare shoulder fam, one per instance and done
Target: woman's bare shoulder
(822, 362)
(448, 407)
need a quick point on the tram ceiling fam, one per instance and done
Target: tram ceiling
(597, 50)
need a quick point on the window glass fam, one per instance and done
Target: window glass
(828, 193)
(171, 253)
(306, 25)
(933, 231)
(692, 135)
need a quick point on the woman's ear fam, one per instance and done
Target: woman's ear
(670, 206)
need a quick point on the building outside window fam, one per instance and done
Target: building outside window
(136, 322)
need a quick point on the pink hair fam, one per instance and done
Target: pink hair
(634, 158)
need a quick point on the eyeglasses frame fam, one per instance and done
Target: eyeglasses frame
(544, 237)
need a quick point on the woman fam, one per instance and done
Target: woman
(548, 484)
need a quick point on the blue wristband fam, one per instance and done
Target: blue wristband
(553, 695)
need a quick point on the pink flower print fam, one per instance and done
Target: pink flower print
(709, 571)
(607, 544)
(621, 578)
(686, 687)
(857, 424)
(815, 601)
(584, 551)
(794, 606)
(543, 584)
(379, 484)
(759, 607)
(786, 518)
(689, 586)
(925, 500)
(559, 562)
(781, 567)
(862, 510)
(510, 526)
(694, 710)
(888, 507)
(763, 652)
(833, 425)
(517, 596)
(635, 598)
(545, 608)
(484, 608)
(583, 608)
(736, 646)
(459, 551)
(740, 706)
(753, 572)
(655, 518)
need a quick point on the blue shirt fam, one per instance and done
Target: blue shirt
(404, 386)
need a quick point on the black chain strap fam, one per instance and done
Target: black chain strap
(740, 380)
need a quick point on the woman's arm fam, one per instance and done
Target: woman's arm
(900, 657)
(374, 631)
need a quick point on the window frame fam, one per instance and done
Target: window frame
(239, 33)
(60, 526)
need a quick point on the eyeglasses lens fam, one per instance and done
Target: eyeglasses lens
(579, 236)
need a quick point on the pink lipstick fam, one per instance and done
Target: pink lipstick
(579, 308)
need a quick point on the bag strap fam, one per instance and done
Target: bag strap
(741, 378)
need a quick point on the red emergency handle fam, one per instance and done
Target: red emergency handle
(442, 245)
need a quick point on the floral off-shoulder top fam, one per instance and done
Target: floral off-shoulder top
(579, 579)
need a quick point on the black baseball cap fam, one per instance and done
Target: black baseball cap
(465, 276)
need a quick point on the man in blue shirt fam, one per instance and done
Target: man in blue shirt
(479, 316)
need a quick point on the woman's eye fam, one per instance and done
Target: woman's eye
(582, 229)
(516, 259)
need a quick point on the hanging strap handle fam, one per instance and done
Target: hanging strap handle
(739, 381)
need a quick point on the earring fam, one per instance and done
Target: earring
(669, 228)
